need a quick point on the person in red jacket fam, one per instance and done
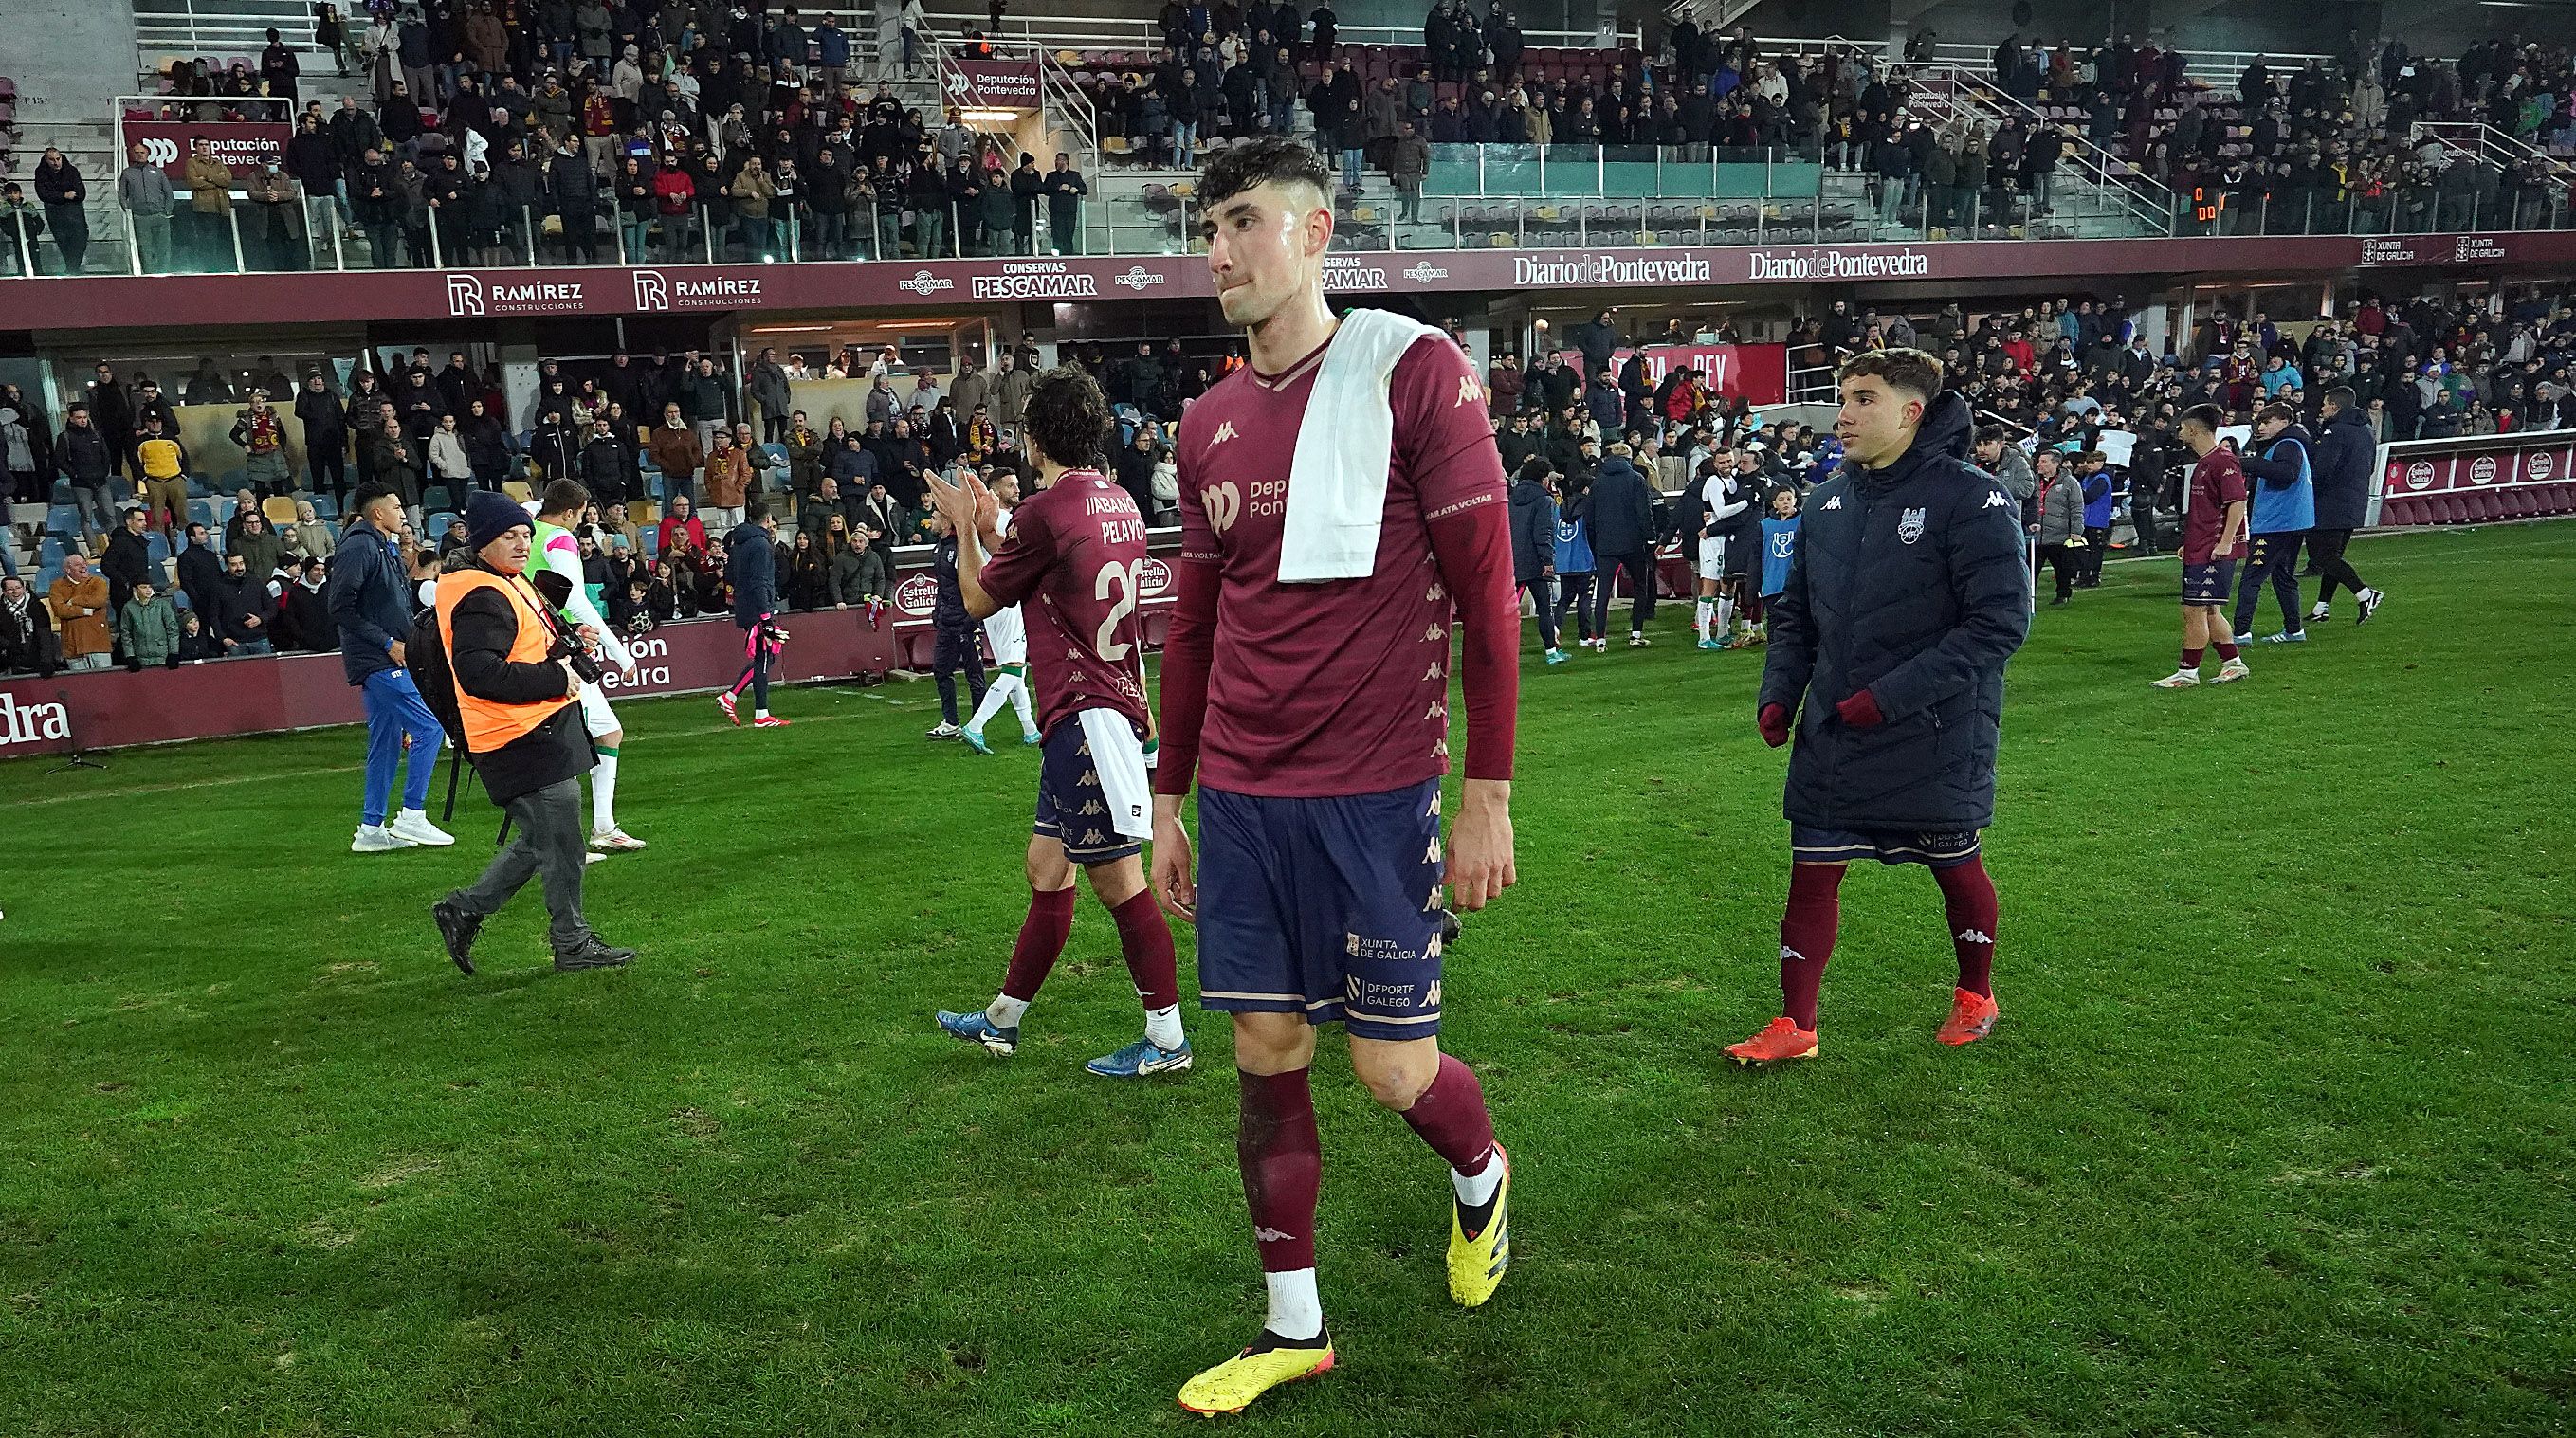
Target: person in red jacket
(676, 196)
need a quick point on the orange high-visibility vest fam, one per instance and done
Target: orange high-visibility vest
(489, 723)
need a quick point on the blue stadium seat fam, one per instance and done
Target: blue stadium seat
(62, 519)
(437, 527)
(49, 552)
(436, 497)
(62, 491)
(326, 507)
(652, 542)
(155, 547)
(202, 511)
(198, 488)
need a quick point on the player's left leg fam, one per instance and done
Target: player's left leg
(1145, 941)
(1968, 898)
(1440, 1097)
(607, 736)
(2285, 589)
(1007, 685)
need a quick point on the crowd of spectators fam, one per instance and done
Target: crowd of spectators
(507, 132)
(671, 439)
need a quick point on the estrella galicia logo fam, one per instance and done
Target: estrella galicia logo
(464, 296)
(651, 291)
(1910, 527)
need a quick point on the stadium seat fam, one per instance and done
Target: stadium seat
(437, 497)
(201, 511)
(518, 489)
(155, 546)
(326, 506)
(437, 526)
(49, 552)
(62, 492)
(278, 509)
(62, 519)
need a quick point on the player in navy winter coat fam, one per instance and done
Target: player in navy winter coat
(1907, 595)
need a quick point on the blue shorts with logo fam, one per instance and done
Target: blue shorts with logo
(1328, 908)
(2212, 584)
(1095, 789)
(1933, 850)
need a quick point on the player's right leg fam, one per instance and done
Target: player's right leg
(1282, 1159)
(607, 736)
(1041, 942)
(1808, 927)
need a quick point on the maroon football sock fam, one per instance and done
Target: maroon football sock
(1807, 930)
(2226, 648)
(1969, 896)
(1146, 939)
(1452, 1118)
(1042, 936)
(2191, 659)
(1283, 1167)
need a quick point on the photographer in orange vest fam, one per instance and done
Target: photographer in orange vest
(516, 686)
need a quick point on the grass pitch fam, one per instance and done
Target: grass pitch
(2274, 1135)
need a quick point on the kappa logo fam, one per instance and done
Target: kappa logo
(1087, 781)
(1224, 432)
(651, 291)
(1995, 499)
(464, 296)
(1469, 392)
(1976, 936)
(1091, 807)
(1834, 503)
(1909, 527)
(1435, 593)
(1266, 1234)
(1224, 504)
(1433, 902)
(1438, 671)
(1790, 955)
(1436, 634)
(1439, 710)
(1434, 811)
(1440, 751)
(1431, 854)
(1431, 991)
(1091, 836)
(925, 284)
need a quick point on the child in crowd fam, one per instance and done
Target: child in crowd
(1779, 549)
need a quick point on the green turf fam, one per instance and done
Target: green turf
(2274, 1136)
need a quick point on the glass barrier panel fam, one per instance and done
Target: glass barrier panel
(1571, 170)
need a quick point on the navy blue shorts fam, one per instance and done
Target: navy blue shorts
(2211, 584)
(1933, 850)
(1328, 908)
(1095, 794)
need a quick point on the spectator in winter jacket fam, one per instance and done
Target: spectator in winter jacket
(27, 643)
(2058, 522)
(147, 628)
(127, 561)
(2343, 460)
(143, 192)
(860, 574)
(1619, 509)
(78, 605)
(243, 610)
(2091, 473)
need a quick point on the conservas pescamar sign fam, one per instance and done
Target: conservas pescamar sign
(1035, 280)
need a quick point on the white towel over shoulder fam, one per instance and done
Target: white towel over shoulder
(1345, 445)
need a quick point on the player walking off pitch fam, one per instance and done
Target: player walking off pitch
(1340, 497)
(559, 553)
(1074, 564)
(1907, 594)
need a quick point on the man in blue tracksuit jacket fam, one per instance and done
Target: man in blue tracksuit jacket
(1907, 595)
(2285, 509)
(370, 604)
(2096, 480)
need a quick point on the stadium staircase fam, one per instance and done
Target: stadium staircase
(2099, 193)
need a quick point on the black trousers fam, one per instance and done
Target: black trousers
(1640, 569)
(2097, 542)
(956, 649)
(2059, 560)
(2325, 551)
(2275, 557)
(2142, 514)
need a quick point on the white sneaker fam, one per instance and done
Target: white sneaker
(590, 857)
(412, 826)
(2319, 614)
(2244, 639)
(377, 839)
(2231, 671)
(2179, 679)
(615, 841)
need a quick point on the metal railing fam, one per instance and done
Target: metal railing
(1948, 93)
(1139, 33)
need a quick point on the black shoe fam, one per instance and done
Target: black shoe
(458, 928)
(2061, 599)
(594, 953)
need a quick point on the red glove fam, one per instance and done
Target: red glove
(1861, 711)
(1774, 720)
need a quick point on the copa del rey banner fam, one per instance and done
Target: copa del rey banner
(1757, 373)
(243, 144)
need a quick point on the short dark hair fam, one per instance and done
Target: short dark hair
(1991, 434)
(2342, 397)
(2281, 412)
(1067, 417)
(2207, 416)
(1910, 370)
(369, 493)
(1271, 159)
(755, 512)
(564, 496)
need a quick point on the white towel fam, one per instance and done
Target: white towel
(1337, 480)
